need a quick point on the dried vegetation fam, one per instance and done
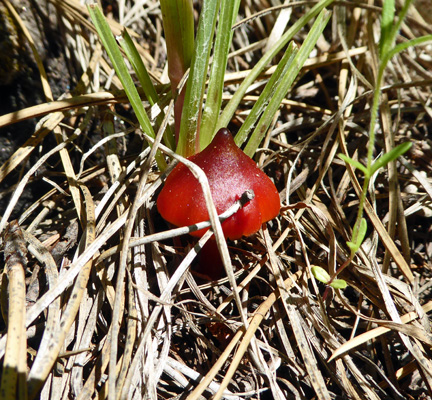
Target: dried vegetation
(72, 166)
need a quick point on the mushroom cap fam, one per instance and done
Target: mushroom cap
(230, 173)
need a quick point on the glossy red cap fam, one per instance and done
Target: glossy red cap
(230, 173)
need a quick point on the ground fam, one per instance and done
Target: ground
(72, 193)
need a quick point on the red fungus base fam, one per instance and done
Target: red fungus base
(230, 173)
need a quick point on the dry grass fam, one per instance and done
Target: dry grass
(174, 334)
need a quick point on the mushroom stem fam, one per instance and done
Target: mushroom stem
(210, 263)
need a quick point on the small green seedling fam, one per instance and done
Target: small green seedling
(323, 276)
(387, 49)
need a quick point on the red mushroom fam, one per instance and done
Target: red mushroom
(230, 173)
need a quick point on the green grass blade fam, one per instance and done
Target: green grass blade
(354, 163)
(135, 59)
(266, 95)
(143, 76)
(387, 22)
(405, 45)
(393, 154)
(291, 74)
(178, 23)
(122, 72)
(233, 104)
(187, 145)
(224, 33)
(396, 26)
